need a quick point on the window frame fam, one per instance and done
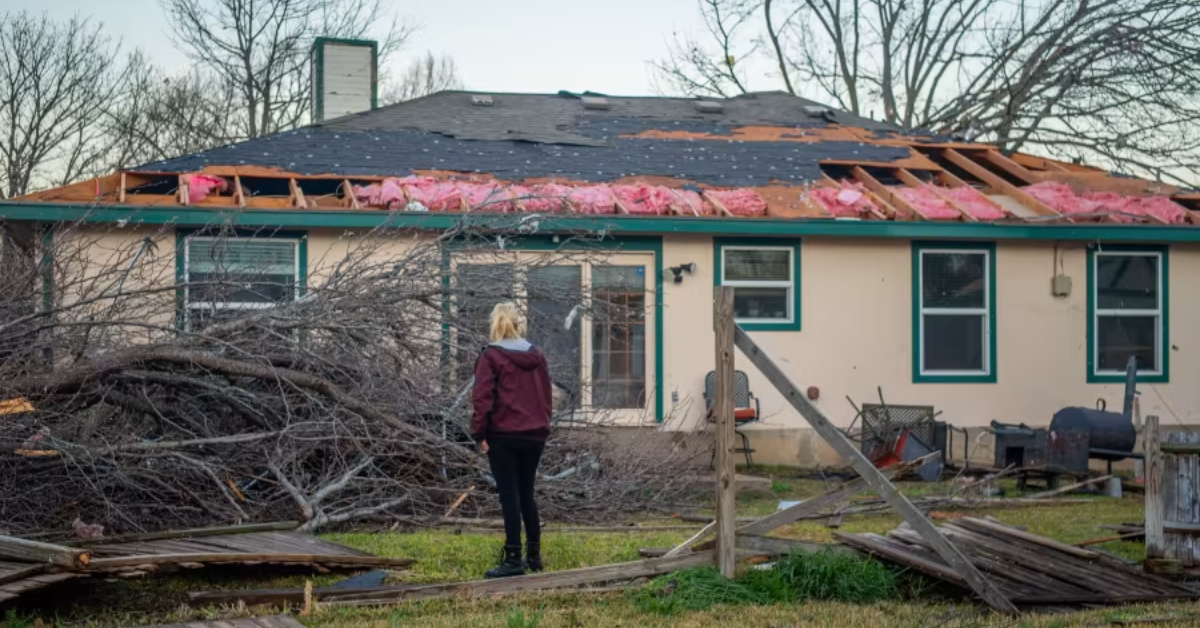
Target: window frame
(183, 241)
(792, 245)
(1161, 374)
(922, 376)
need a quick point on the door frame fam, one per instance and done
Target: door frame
(609, 245)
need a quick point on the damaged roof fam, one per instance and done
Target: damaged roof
(756, 155)
(522, 136)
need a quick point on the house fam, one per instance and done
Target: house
(991, 286)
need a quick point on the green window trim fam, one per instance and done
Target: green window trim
(793, 245)
(183, 236)
(633, 244)
(1163, 374)
(920, 376)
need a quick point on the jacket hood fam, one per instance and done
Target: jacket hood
(520, 352)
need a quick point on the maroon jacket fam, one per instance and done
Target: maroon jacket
(512, 393)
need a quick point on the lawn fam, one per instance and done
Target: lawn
(445, 556)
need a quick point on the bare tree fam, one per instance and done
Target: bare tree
(424, 76)
(1106, 81)
(159, 116)
(55, 80)
(261, 48)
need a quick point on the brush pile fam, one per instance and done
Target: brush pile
(332, 390)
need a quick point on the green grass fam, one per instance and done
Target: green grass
(444, 556)
(825, 575)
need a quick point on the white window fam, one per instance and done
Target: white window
(227, 275)
(763, 282)
(954, 318)
(1127, 311)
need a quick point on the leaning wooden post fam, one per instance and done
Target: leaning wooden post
(873, 476)
(1152, 450)
(723, 325)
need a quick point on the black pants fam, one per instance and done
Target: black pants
(514, 463)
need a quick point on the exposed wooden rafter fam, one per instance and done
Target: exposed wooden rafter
(884, 211)
(902, 206)
(297, 194)
(239, 194)
(996, 158)
(349, 199)
(999, 183)
(912, 181)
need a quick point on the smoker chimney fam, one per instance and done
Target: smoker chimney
(345, 77)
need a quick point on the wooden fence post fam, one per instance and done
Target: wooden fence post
(1152, 450)
(723, 325)
(873, 476)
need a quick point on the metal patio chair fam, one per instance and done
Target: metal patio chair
(745, 408)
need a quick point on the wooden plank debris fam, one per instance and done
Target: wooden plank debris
(687, 545)
(1155, 543)
(873, 476)
(520, 584)
(26, 551)
(154, 560)
(1028, 569)
(187, 534)
(1069, 488)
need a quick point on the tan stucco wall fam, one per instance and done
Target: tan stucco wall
(857, 335)
(856, 299)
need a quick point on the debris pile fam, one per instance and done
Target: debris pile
(340, 405)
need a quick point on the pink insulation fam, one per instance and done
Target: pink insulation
(549, 197)
(851, 202)
(389, 193)
(691, 203)
(201, 185)
(1061, 197)
(487, 197)
(593, 199)
(645, 199)
(436, 196)
(741, 202)
(927, 202)
(1119, 207)
(974, 202)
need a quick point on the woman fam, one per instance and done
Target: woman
(511, 421)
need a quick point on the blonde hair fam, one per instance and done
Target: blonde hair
(507, 322)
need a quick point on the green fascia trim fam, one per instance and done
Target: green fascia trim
(1165, 348)
(990, 376)
(183, 233)
(718, 270)
(318, 84)
(644, 244)
(761, 227)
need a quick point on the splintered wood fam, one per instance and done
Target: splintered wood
(1028, 569)
(30, 566)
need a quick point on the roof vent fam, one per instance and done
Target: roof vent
(482, 101)
(709, 106)
(816, 111)
(595, 102)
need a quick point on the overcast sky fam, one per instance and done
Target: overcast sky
(499, 45)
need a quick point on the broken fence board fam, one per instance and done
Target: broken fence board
(25, 551)
(842, 445)
(687, 545)
(1068, 489)
(783, 547)
(187, 534)
(726, 527)
(123, 562)
(988, 526)
(520, 584)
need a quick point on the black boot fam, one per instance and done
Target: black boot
(510, 565)
(533, 556)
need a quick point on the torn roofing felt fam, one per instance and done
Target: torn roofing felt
(522, 137)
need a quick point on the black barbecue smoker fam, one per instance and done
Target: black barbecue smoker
(1075, 436)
